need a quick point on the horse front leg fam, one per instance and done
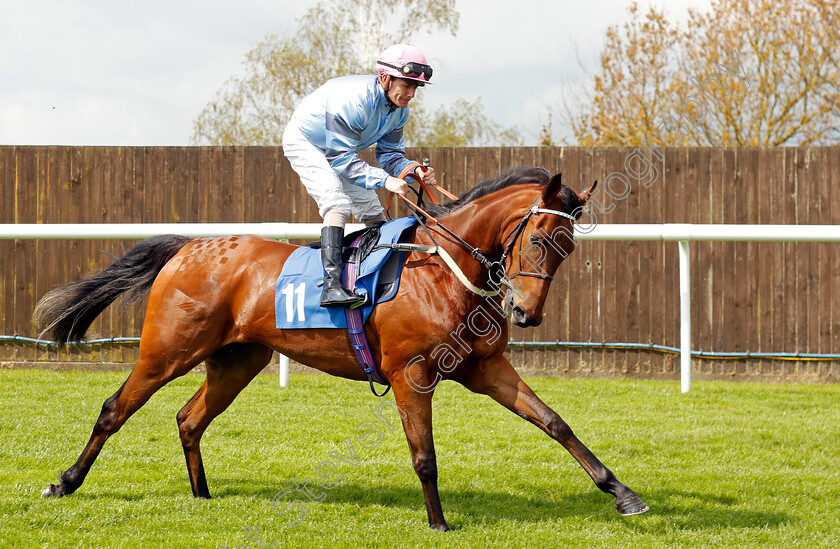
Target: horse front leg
(416, 413)
(497, 379)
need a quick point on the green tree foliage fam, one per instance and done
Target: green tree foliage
(770, 71)
(334, 38)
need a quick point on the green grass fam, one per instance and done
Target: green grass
(726, 465)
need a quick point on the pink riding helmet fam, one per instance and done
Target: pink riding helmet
(404, 61)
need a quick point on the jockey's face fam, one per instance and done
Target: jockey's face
(400, 91)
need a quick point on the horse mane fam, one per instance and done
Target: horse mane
(519, 175)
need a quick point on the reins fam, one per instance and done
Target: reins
(422, 216)
(419, 213)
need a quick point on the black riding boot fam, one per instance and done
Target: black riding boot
(334, 294)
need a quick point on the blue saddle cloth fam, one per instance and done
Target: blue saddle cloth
(297, 299)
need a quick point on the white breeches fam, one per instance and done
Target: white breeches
(322, 182)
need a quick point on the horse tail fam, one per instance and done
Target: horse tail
(65, 313)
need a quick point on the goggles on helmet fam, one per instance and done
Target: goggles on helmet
(411, 70)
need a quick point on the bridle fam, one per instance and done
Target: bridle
(515, 235)
(509, 242)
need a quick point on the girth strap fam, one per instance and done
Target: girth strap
(356, 328)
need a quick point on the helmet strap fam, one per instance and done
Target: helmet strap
(386, 87)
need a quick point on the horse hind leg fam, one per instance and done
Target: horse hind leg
(152, 371)
(70, 480)
(229, 370)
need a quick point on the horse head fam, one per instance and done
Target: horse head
(535, 245)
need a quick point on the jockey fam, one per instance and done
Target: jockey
(328, 128)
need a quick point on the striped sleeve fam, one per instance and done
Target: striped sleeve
(390, 152)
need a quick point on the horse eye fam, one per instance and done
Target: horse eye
(535, 239)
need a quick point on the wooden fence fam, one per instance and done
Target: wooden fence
(757, 297)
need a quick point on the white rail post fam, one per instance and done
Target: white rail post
(685, 317)
(283, 371)
(283, 363)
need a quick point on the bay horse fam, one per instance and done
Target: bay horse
(212, 300)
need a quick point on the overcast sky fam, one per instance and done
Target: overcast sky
(138, 72)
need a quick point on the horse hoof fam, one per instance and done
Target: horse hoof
(441, 527)
(631, 505)
(50, 491)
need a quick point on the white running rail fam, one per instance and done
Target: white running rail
(682, 233)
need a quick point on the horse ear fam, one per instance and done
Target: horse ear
(584, 196)
(552, 188)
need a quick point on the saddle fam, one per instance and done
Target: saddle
(377, 267)
(372, 267)
(356, 252)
